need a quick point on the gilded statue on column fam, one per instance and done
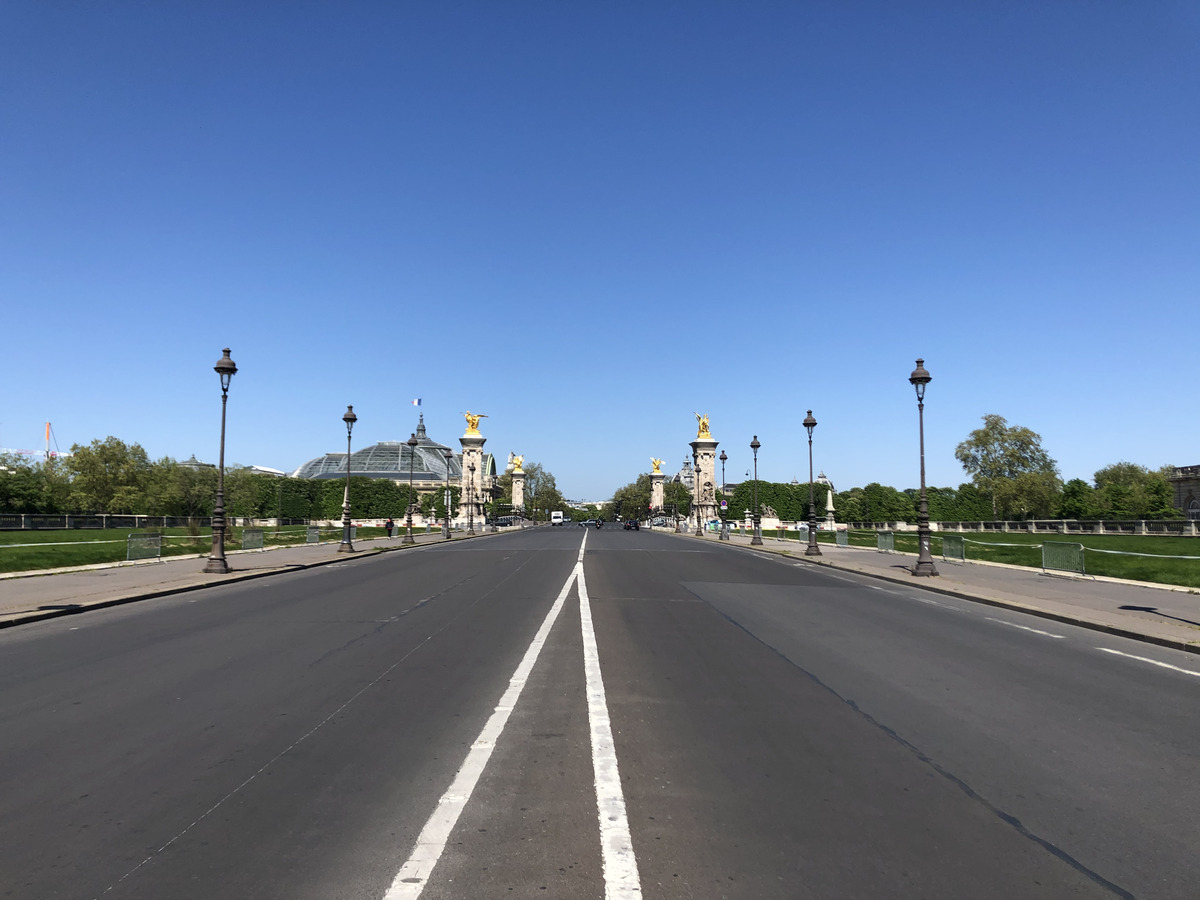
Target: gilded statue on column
(473, 422)
(657, 463)
(702, 421)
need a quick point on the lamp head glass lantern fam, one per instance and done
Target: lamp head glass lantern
(919, 378)
(754, 445)
(810, 423)
(412, 440)
(226, 368)
(349, 418)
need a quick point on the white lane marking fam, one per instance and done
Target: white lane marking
(621, 879)
(1058, 637)
(1153, 662)
(414, 874)
(929, 602)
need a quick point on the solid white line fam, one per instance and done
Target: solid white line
(1027, 628)
(621, 881)
(414, 874)
(1153, 662)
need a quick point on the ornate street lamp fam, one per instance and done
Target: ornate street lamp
(724, 499)
(216, 564)
(449, 455)
(346, 546)
(471, 500)
(412, 452)
(757, 539)
(812, 549)
(919, 379)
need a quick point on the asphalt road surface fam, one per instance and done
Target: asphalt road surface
(646, 715)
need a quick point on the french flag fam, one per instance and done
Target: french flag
(417, 402)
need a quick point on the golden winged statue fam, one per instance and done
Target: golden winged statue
(657, 463)
(702, 422)
(518, 461)
(473, 421)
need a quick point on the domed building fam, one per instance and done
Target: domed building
(391, 460)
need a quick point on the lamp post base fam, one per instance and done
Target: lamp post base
(216, 566)
(924, 567)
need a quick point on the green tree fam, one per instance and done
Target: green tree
(1125, 490)
(108, 476)
(1077, 501)
(1009, 463)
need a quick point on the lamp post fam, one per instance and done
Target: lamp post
(757, 539)
(471, 500)
(812, 549)
(412, 452)
(449, 455)
(919, 379)
(724, 499)
(346, 546)
(216, 564)
(698, 496)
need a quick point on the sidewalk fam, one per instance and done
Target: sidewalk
(33, 596)
(1159, 614)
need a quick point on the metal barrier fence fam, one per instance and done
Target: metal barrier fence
(885, 541)
(954, 546)
(313, 536)
(252, 538)
(143, 546)
(1062, 557)
(843, 538)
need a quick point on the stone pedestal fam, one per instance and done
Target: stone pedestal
(518, 490)
(656, 490)
(830, 522)
(704, 494)
(470, 504)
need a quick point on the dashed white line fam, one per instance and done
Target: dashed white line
(1057, 637)
(1153, 662)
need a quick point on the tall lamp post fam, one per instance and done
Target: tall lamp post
(471, 501)
(724, 499)
(412, 452)
(346, 546)
(919, 379)
(812, 549)
(757, 539)
(449, 455)
(216, 564)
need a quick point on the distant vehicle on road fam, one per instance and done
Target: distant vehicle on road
(556, 517)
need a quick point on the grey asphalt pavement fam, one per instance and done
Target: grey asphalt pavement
(1161, 614)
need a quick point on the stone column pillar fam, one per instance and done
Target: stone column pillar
(656, 490)
(704, 494)
(518, 489)
(470, 504)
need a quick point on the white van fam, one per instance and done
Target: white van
(556, 517)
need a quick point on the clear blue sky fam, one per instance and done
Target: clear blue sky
(590, 220)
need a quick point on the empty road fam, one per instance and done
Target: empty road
(586, 714)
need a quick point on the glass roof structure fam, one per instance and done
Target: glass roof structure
(391, 460)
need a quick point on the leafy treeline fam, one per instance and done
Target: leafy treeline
(632, 502)
(111, 476)
(1012, 478)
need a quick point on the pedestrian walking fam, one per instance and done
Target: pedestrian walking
(389, 525)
